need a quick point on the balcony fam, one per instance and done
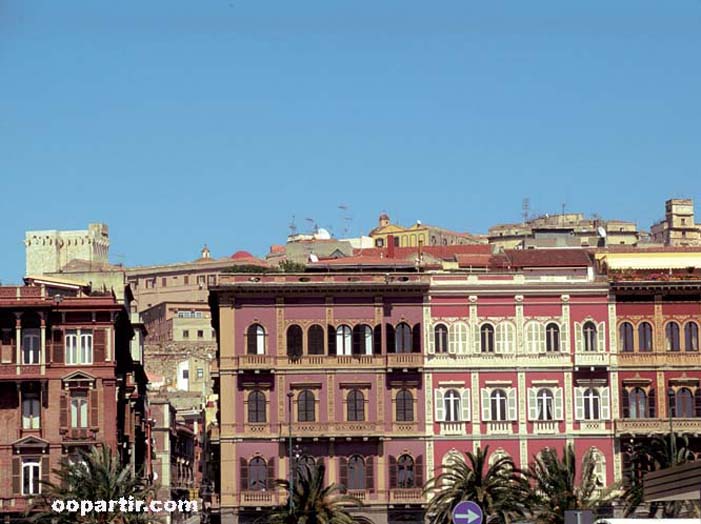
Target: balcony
(405, 360)
(453, 428)
(499, 428)
(78, 434)
(326, 362)
(360, 494)
(667, 358)
(255, 362)
(652, 426)
(332, 429)
(257, 498)
(406, 496)
(546, 427)
(591, 359)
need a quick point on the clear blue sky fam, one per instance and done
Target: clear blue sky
(181, 122)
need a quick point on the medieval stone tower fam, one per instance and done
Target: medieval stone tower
(49, 251)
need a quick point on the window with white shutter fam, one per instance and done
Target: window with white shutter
(578, 403)
(504, 337)
(605, 403)
(601, 334)
(459, 336)
(440, 408)
(565, 337)
(578, 337)
(512, 404)
(429, 334)
(465, 405)
(558, 415)
(453, 340)
(486, 411)
(532, 404)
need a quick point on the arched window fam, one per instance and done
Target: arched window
(344, 340)
(294, 341)
(592, 404)
(487, 338)
(31, 345)
(625, 332)
(672, 336)
(589, 332)
(315, 340)
(691, 336)
(405, 406)
(451, 400)
(362, 340)
(256, 407)
(684, 403)
(255, 339)
(599, 467)
(497, 399)
(504, 336)
(440, 338)
(552, 337)
(355, 405)
(257, 474)
(645, 336)
(306, 411)
(356, 472)
(545, 404)
(637, 403)
(403, 338)
(496, 455)
(406, 476)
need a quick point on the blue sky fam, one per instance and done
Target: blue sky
(181, 122)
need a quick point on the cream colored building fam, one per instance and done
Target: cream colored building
(678, 228)
(419, 234)
(48, 251)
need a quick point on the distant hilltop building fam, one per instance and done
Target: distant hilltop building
(678, 228)
(418, 234)
(50, 251)
(564, 230)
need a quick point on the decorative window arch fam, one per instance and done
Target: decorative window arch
(637, 403)
(672, 336)
(306, 406)
(487, 338)
(496, 455)
(691, 336)
(315, 340)
(592, 404)
(552, 338)
(362, 340)
(294, 341)
(406, 472)
(402, 338)
(257, 474)
(625, 333)
(589, 334)
(545, 404)
(645, 337)
(256, 407)
(355, 405)
(405, 406)
(440, 338)
(498, 404)
(344, 340)
(255, 339)
(599, 466)
(356, 472)
(451, 400)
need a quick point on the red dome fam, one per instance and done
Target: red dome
(240, 255)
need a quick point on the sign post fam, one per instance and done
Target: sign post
(467, 512)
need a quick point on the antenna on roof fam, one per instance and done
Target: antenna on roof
(293, 226)
(346, 218)
(525, 209)
(312, 223)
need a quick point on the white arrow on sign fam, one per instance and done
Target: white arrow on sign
(471, 516)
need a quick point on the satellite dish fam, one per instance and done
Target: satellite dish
(601, 231)
(322, 234)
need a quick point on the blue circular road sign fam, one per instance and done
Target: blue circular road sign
(467, 512)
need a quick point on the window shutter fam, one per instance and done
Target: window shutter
(625, 405)
(529, 337)
(605, 404)
(45, 469)
(697, 402)
(565, 337)
(64, 410)
(431, 335)
(57, 344)
(601, 337)
(244, 474)
(464, 338)
(672, 403)
(578, 338)
(652, 408)
(465, 405)
(389, 335)
(486, 408)
(369, 473)
(558, 415)
(510, 335)
(416, 338)
(532, 404)
(440, 408)
(578, 404)
(332, 340)
(453, 340)
(99, 345)
(377, 340)
(343, 472)
(419, 471)
(512, 405)
(392, 472)
(16, 475)
(270, 474)
(94, 409)
(541, 339)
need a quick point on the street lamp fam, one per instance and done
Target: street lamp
(289, 426)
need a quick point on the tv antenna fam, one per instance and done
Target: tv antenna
(346, 218)
(525, 209)
(293, 227)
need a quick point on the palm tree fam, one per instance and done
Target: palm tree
(658, 453)
(312, 502)
(97, 475)
(554, 486)
(499, 489)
